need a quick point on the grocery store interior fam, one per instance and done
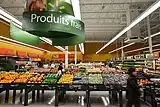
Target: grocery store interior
(76, 53)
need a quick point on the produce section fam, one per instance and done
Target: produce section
(50, 79)
(37, 78)
(66, 79)
(80, 78)
(95, 79)
(115, 79)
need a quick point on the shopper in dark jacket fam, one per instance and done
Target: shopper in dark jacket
(60, 67)
(133, 89)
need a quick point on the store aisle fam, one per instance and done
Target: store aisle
(71, 100)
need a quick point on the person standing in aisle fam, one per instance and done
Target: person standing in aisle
(60, 68)
(133, 89)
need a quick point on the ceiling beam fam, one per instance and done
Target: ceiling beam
(100, 18)
(102, 29)
(119, 11)
(93, 41)
(111, 25)
(109, 11)
(114, 1)
(97, 30)
(111, 3)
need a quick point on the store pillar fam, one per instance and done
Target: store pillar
(66, 56)
(149, 34)
(75, 55)
(122, 51)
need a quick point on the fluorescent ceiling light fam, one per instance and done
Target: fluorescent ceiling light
(133, 43)
(81, 47)
(152, 50)
(147, 12)
(141, 49)
(77, 14)
(121, 47)
(76, 9)
(152, 35)
(9, 18)
(21, 43)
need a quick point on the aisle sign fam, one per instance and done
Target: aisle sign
(6, 52)
(22, 54)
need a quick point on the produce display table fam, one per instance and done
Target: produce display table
(36, 84)
(30, 87)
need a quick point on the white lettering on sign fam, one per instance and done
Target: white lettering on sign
(55, 19)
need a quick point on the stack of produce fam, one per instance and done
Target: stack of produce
(144, 82)
(66, 79)
(54, 70)
(40, 70)
(95, 79)
(94, 70)
(38, 78)
(50, 79)
(8, 77)
(82, 69)
(140, 75)
(80, 78)
(23, 78)
(74, 70)
(153, 74)
(115, 79)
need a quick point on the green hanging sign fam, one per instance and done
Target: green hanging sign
(53, 19)
(23, 36)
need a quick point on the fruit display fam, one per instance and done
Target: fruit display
(7, 77)
(66, 79)
(54, 70)
(144, 82)
(141, 75)
(82, 69)
(74, 70)
(37, 78)
(40, 70)
(80, 78)
(115, 79)
(23, 78)
(94, 70)
(95, 79)
(50, 79)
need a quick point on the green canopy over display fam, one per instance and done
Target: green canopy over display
(23, 36)
(53, 19)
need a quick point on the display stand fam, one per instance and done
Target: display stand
(26, 97)
(14, 96)
(120, 99)
(7, 96)
(56, 96)
(60, 90)
(33, 96)
(88, 98)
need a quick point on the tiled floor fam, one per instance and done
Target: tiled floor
(71, 100)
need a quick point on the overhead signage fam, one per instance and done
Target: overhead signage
(23, 36)
(53, 19)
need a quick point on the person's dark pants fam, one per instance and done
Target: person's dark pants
(133, 101)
